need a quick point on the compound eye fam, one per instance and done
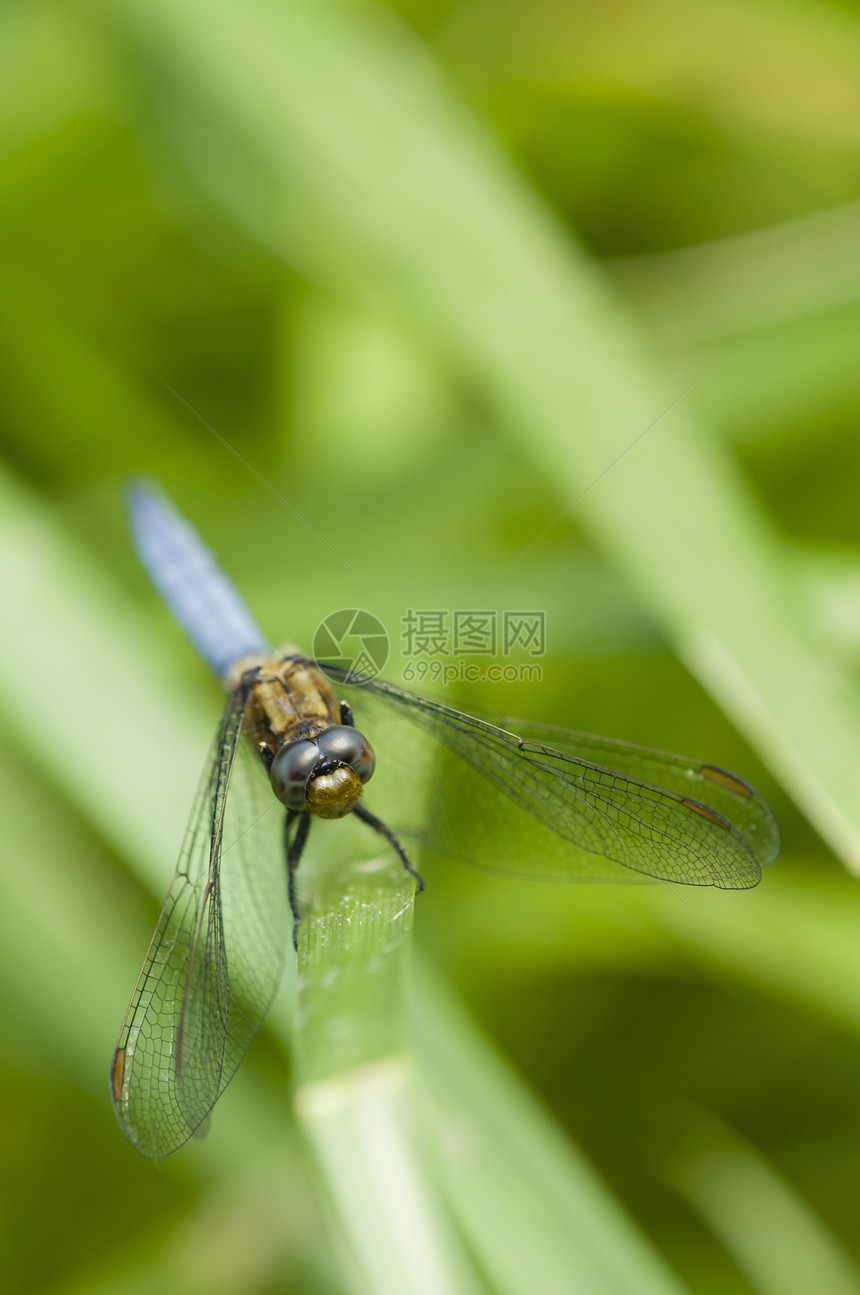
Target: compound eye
(348, 746)
(290, 770)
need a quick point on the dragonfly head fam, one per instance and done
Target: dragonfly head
(325, 774)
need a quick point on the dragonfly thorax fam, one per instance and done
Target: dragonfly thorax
(324, 774)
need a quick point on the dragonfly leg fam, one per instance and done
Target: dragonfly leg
(294, 850)
(378, 826)
(346, 715)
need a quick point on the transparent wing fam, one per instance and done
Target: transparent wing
(215, 959)
(730, 796)
(550, 803)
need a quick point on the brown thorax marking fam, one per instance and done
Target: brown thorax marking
(290, 699)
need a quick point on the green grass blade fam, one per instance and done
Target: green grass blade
(528, 1201)
(356, 1092)
(734, 285)
(773, 1235)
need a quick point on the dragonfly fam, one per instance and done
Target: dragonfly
(298, 742)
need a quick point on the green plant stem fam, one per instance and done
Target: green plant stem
(356, 1094)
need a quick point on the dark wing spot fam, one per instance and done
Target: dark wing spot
(711, 815)
(117, 1073)
(726, 779)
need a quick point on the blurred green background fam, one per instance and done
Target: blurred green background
(396, 283)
